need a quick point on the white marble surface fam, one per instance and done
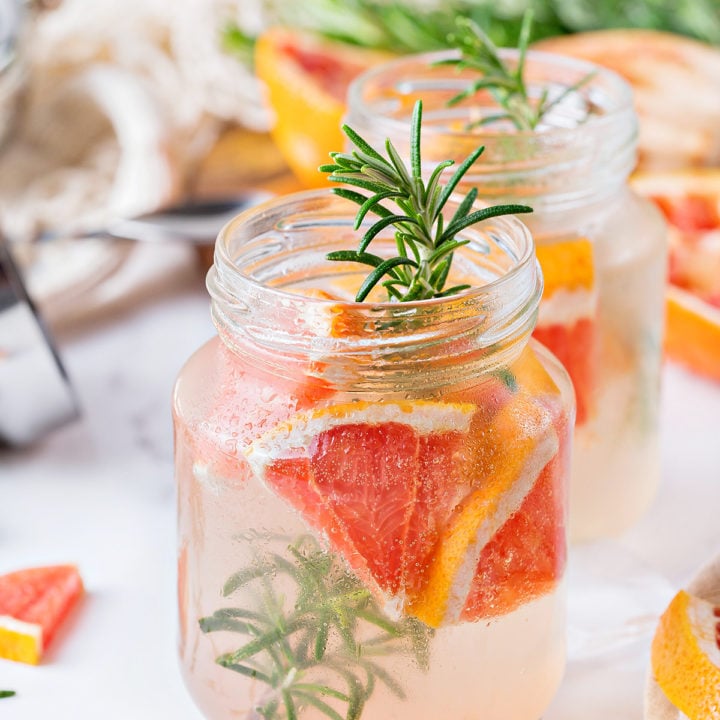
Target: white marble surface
(100, 493)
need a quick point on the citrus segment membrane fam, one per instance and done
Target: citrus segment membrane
(33, 603)
(567, 317)
(685, 656)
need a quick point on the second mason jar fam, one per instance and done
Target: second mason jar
(601, 248)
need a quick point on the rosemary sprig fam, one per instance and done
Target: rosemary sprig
(322, 647)
(504, 82)
(406, 26)
(425, 239)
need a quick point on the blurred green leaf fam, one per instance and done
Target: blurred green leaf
(238, 43)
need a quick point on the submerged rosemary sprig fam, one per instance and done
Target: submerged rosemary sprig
(425, 239)
(504, 82)
(315, 636)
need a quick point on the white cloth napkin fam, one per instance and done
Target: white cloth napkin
(122, 100)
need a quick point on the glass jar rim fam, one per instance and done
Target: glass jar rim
(391, 342)
(558, 169)
(223, 257)
(623, 102)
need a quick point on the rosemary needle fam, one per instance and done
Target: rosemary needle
(323, 648)
(506, 83)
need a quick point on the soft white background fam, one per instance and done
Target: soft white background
(100, 493)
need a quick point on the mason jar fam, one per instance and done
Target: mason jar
(372, 496)
(601, 248)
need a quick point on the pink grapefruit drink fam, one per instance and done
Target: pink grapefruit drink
(372, 496)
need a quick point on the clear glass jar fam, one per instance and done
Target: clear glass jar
(601, 248)
(372, 497)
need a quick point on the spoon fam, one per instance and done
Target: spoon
(196, 222)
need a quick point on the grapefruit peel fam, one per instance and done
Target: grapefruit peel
(425, 417)
(686, 656)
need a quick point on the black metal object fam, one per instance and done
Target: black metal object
(35, 392)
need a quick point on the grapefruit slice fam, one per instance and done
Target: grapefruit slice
(368, 476)
(690, 201)
(527, 557)
(33, 603)
(416, 496)
(566, 320)
(306, 79)
(685, 656)
(692, 332)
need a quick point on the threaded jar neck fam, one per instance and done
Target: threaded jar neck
(268, 260)
(583, 151)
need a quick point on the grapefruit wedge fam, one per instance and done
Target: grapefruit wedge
(306, 79)
(364, 474)
(513, 453)
(416, 496)
(33, 603)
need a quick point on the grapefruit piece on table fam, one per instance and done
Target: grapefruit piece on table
(690, 201)
(33, 603)
(566, 319)
(306, 79)
(685, 657)
(692, 332)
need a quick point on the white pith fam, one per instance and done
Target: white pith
(703, 622)
(566, 307)
(297, 434)
(21, 627)
(694, 304)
